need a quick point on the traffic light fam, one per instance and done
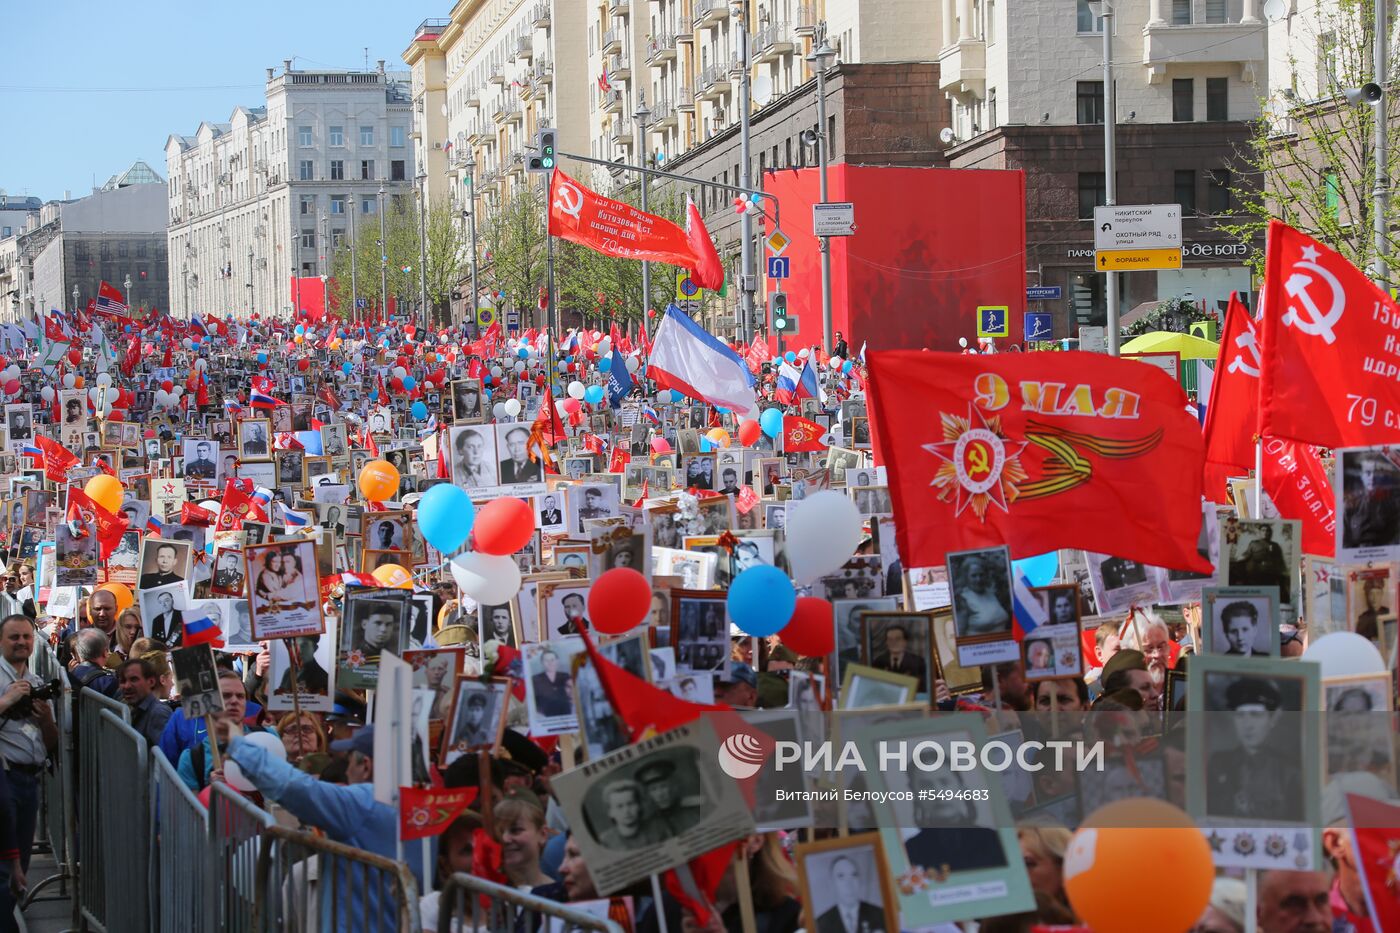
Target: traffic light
(544, 143)
(777, 306)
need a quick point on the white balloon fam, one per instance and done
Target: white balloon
(400, 371)
(201, 363)
(93, 393)
(519, 366)
(663, 397)
(496, 372)
(177, 391)
(46, 393)
(104, 379)
(499, 410)
(576, 389)
(69, 380)
(962, 342)
(512, 407)
(264, 740)
(803, 353)
(823, 531)
(11, 372)
(1344, 654)
(559, 407)
(632, 364)
(486, 578)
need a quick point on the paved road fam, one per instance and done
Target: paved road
(53, 911)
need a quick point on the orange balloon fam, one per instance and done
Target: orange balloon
(106, 491)
(379, 480)
(124, 598)
(719, 436)
(1114, 865)
(394, 576)
(78, 382)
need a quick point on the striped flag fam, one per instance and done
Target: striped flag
(154, 526)
(291, 518)
(110, 301)
(1027, 610)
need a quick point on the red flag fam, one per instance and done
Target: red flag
(103, 466)
(1375, 828)
(1331, 356)
(427, 811)
(1232, 414)
(708, 271)
(746, 500)
(58, 460)
(801, 435)
(201, 394)
(619, 461)
(1039, 451)
(756, 355)
(197, 515)
(235, 506)
(82, 507)
(1297, 483)
(614, 228)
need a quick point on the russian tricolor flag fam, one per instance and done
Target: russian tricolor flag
(261, 400)
(202, 631)
(689, 359)
(788, 388)
(154, 526)
(291, 518)
(29, 450)
(1027, 611)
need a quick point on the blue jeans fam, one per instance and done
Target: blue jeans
(22, 813)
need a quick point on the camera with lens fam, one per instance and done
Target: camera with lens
(24, 708)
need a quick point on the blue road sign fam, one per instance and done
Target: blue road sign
(1043, 292)
(1038, 325)
(993, 321)
(779, 267)
(362, 302)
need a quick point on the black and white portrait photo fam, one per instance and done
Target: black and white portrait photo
(899, 643)
(476, 718)
(1240, 621)
(497, 623)
(847, 614)
(700, 631)
(1119, 583)
(1256, 759)
(19, 424)
(376, 621)
(1263, 553)
(164, 562)
(313, 683)
(283, 589)
(981, 592)
(549, 685)
(563, 609)
(162, 613)
(254, 439)
(466, 401)
(201, 463)
(512, 448)
(846, 885)
(472, 454)
(549, 512)
(1368, 503)
(591, 500)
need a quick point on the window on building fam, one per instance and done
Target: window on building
(337, 238)
(1086, 20)
(304, 137)
(366, 136)
(8, 231)
(140, 250)
(367, 205)
(1216, 12)
(1181, 12)
(337, 136)
(1184, 187)
(308, 239)
(1218, 192)
(1092, 193)
(308, 204)
(367, 169)
(1217, 98)
(397, 168)
(396, 136)
(337, 170)
(337, 204)
(1332, 193)
(307, 171)
(991, 108)
(1326, 61)
(1183, 100)
(991, 23)
(1089, 101)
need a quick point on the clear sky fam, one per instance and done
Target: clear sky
(89, 86)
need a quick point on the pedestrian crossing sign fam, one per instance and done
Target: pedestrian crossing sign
(993, 321)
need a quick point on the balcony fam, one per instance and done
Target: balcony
(806, 22)
(685, 101)
(962, 68)
(772, 41)
(610, 101)
(1203, 43)
(624, 132)
(524, 49)
(661, 48)
(663, 115)
(431, 27)
(714, 81)
(709, 12)
(539, 18)
(612, 42)
(498, 74)
(619, 8)
(619, 67)
(508, 110)
(472, 98)
(543, 72)
(736, 66)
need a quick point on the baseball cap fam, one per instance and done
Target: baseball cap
(362, 741)
(738, 670)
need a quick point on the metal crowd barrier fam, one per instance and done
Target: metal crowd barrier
(507, 910)
(236, 825)
(94, 775)
(307, 883)
(180, 890)
(115, 879)
(56, 806)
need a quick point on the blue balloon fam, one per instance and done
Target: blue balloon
(706, 445)
(761, 600)
(771, 421)
(523, 353)
(301, 329)
(1040, 569)
(486, 379)
(790, 357)
(419, 411)
(593, 394)
(605, 363)
(347, 368)
(409, 382)
(846, 367)
(445, 516)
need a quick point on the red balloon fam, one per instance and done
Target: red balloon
(75, 356)
(303, 364)
(167, 385)
(811, 632)
(749, 430)
(572, 405)
(12, 387)
(619, 601)
(396, 384)
(503, 526)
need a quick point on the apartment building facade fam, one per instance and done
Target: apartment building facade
(273, 191)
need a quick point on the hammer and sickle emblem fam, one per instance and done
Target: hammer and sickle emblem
(1317, 323)
(569, 200)
(977, 461)
(1247, 343)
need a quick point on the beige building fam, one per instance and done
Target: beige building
(274, 190)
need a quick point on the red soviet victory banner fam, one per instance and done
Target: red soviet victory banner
(614, 228)
(801, 435)
(1297, 483)
(1375, 829)
(1331, 355)
(1232, 414)
(1038, 451)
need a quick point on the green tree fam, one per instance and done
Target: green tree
(1316, 157)
(513, 235)
(446, 251)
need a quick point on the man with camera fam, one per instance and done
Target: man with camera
(28, 735)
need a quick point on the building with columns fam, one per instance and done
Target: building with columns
(270, 193)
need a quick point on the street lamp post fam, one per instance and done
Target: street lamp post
(77, 297)
(126, 283)
(642, 115)
(471, 214)
(1380, 193)
(1104, 11)
(383, 261)
(821, 59)
(748, 281)
(422, 180)
(296, 271)
(250, 280)
(354, 284)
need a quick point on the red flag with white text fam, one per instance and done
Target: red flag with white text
(1038, 451)
(614, 228)
(1232, 414)
(1296, 482)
